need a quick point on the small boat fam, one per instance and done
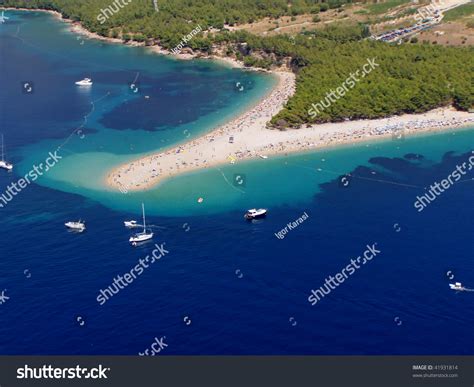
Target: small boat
(130, 223)
(84, 82)
(255, 214)
(456, 286)
(76, 226)
(143, 236)
(4, 164)
(263, 157)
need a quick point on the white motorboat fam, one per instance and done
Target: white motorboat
(76, 226)
(84, 82)
(130, 223)
(143, 236)
(4, 164)
(263, 157)
(255, 214)
(456, 286)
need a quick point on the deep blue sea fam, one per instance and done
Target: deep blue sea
(227, 286)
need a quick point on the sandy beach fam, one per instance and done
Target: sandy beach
(247, 137)
(227, 143)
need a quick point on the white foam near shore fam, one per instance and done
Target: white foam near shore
(252, 139)
(210, 149)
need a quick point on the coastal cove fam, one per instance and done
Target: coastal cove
(95, 144)
(99, 127)
(228, 286)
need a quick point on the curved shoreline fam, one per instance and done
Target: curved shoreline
(210, 149)
(251, 137)
(252, 140)
(77, 28)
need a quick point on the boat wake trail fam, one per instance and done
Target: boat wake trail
(78, 131)
(155, 226)
(138, 225)
(228, 182)
(339, 174)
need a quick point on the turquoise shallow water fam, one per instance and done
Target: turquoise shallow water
(242, 287)
(277, 181)
(112, 125)
(106, 125)
(291, 180)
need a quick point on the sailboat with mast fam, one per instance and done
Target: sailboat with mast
(143, 236)
(4, 164)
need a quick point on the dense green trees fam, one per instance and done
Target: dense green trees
(411, 78)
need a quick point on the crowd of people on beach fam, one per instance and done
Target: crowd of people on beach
(146, 171)
(247, 137)
(396, 131)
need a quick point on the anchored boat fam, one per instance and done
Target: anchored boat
(255, 214)
(76, 226)
(130, 223)
(84, 82)
(4, 164)
(143, 236)
(457, 286)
